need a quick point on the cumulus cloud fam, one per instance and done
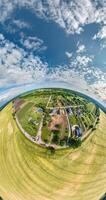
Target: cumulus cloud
(100, 90)
(101, 34)
(68, 54)
(20, 24)
(70, 15)
(81, 48)
(17, 66)
(82, 64)
(32, 43)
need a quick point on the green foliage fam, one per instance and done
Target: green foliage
(55, 138)
(50, 150)
(74, 143)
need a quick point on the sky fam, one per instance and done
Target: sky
(50, 41)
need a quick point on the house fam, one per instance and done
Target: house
(58, 111)
(76, 130)
(33, 121)
(69, 111)
(53, 112)
(79, 113)
(40, 110)
(30, 118)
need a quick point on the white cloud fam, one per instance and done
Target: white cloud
(32, 43)
(17, 66)
(21, 24)
(100, 90)
(10, 93)
(103, 45)
(101, 34)
(1, 37)
(81, 48)
(82, 64)
(68, 54)
(70, 15)
(15, 25)
(6, 8)
(83, 60)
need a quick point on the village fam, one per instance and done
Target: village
(55, 118)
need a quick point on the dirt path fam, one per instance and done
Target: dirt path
(62, 107)
(39, 134)
(48, 101)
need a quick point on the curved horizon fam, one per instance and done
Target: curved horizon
(62, 85)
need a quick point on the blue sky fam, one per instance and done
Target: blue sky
(55, 40)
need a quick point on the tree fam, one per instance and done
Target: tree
(1, 198)
(50, 150)
(55, 137)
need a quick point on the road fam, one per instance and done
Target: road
(62, 107)
(49, 101)
(39, 133)
(69, 126)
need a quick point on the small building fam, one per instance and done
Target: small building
(69, 111)
(33, 121)
(53, 112)
(30, 118)
(76, 130)
(40, 110)
(58, 112)
(79, 112)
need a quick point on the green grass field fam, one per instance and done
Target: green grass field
(23, 116)
(28, 172)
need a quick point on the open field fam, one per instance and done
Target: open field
(28, 172)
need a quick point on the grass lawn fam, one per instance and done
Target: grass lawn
(37, 99)
(46, 134)
(24, 110)
(91, 107)
(27, 172)
(23, 117)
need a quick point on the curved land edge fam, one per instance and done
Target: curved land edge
(28, 172)
(95, 101)
(55, 118)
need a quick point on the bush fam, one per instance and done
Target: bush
(50, 150)
(55, 137)
(62, 142)
(74, 142)
(91, 126)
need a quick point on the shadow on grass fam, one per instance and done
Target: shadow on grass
(1, 198)
(103, 197)
(74, 143)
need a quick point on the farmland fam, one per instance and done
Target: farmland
(30, 172)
